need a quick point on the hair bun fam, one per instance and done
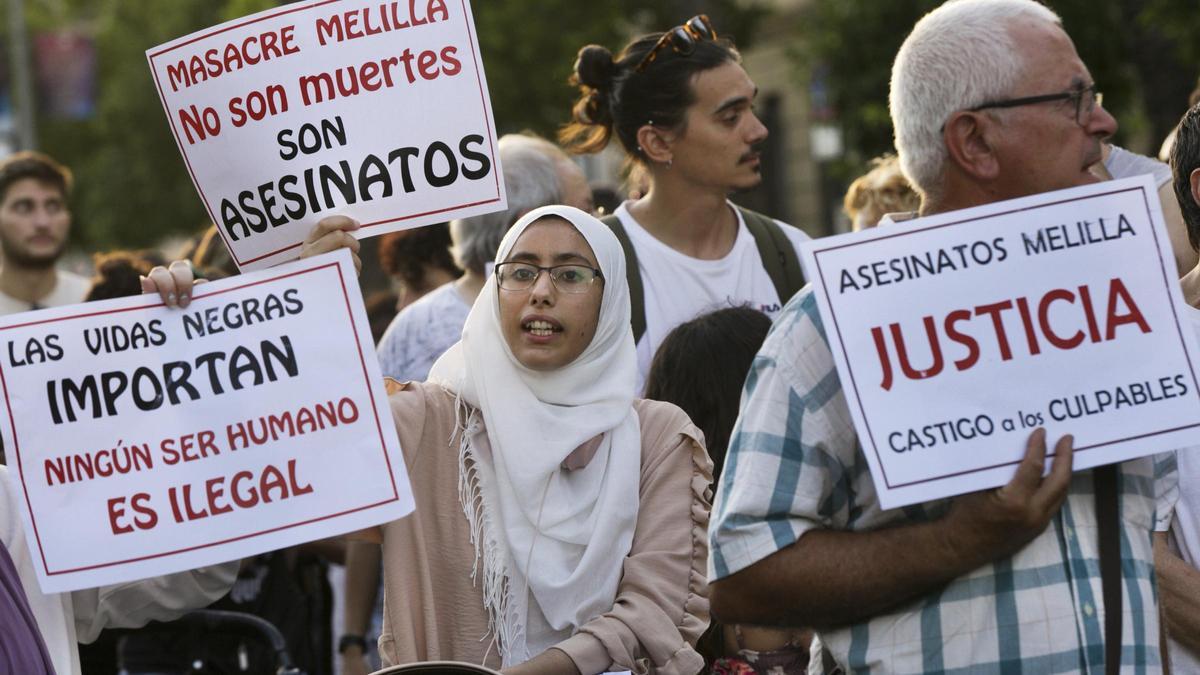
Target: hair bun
(595, 68)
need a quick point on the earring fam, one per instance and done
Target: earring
(668, 164)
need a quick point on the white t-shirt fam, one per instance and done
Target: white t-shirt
(1185, 529)
(421, 332)
(678, 288)
(68, 290)
(1122, 163)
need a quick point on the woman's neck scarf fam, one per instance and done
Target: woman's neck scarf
(552, 541)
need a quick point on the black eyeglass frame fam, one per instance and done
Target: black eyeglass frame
(682, 38)
(497, 270)
(1078, 95)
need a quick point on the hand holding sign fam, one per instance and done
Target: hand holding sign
(153, 439)
(173, 284)
(995, 523)
(331, 234)
(957, 335)
(322, 108)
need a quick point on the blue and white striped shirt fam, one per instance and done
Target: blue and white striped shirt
(795, 464)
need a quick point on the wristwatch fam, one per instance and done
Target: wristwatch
(349, 640)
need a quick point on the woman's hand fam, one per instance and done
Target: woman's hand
(330, 234)
(174, 284)
(550, 662)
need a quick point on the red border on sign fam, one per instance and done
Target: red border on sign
(1050, 453)
(199, 295)
(187, 161)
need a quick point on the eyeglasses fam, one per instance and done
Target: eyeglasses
(682, 39)
(519, 276)
(1085, 99)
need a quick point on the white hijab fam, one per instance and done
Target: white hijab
(553, 541)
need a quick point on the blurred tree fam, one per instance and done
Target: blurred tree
(1137, 50)
(132, 186)
(529, 46)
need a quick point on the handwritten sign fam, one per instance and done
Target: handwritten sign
(378, 110)
(153, 440)
(957, 335)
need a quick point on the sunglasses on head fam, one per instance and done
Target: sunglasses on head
(682, 39)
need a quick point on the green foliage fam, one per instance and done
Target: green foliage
(132, 186)
(529, 47)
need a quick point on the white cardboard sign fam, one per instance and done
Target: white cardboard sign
(958, 334)
(377, 110)
(151, 440)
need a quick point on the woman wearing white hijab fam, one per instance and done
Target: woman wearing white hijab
(560, 522)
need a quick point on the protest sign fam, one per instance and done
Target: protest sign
(376, 110)
(151, 440)
(957, 335)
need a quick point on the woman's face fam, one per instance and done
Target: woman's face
(546, 327)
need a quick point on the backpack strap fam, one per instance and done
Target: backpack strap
(778, 256)
(1107, 481)
(633, 276)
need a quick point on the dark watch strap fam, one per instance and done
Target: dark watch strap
(349, 640)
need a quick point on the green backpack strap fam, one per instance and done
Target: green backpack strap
(778, 256)
(633, 276)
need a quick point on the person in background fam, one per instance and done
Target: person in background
(381, 311)
(681, 106)
(118, 274)
(209, 256)
(880, 191)
(419, 260)
(35, 222)
(573, 185)
(701, 367)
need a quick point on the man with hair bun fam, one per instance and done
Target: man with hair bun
(681, 106)
(990, 102)
(34, 224)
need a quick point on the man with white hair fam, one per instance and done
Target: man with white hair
(990, 101)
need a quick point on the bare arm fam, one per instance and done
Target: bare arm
(1179, 587)
(362, 585)
(830, 578)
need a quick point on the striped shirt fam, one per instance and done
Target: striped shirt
(795, 464)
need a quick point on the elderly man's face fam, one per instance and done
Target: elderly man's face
(1041, 147)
